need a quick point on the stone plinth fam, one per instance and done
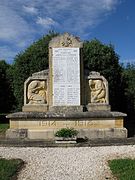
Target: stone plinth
(66, 109)
(35, 108)
(98, 107)
(89, 124)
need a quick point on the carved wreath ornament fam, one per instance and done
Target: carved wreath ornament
(67, 42)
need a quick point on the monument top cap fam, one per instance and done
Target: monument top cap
(66, 40)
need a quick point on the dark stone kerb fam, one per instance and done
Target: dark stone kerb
(76, 115)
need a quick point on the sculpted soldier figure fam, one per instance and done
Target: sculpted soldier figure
(97, 91)
(37, 92)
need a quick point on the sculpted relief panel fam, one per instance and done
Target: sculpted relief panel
(36, 89)
(37, 92)
(97, 91)
(97, 88)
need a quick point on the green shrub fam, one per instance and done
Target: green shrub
(66, 132)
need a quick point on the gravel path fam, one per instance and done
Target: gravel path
(83, 163)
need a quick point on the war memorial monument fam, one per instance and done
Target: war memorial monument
(66, 96)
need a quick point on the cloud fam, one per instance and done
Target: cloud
(11, 24)
(46, 22)
(22, 22)
(30, 9)
(109, 4)
(77, 16)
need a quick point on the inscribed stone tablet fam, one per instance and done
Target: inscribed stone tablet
(66, 76)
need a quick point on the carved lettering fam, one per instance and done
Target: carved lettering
(66, 76)
(47, 123)
(74, 124)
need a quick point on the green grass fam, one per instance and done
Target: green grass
(10, 168)
(3, 128)
(123, 169)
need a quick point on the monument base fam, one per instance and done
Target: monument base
(91, 134)
(90, 125)
(66, 109)
(98, 107)
(35, 108)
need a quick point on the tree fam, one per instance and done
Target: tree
(129, 77)
(102, 58)
(6, 93)
(33, 59)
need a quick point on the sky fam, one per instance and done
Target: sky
(23, 22)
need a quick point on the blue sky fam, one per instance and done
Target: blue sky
(24, 21)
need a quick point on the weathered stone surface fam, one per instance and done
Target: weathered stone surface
(66, 109)
(43, 124)
(97, 89)
(98, 107)
(35, 108)
(74, 115)
(91, 134)
(65, 40)
(110, 133)
(36, 89)
(41, 134)
(41, 74)
(16, 133)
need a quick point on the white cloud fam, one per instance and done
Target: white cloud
(11, 24)
(109, 4)
(77, 16)
(30, 9)
(46, 22)
(22, 22)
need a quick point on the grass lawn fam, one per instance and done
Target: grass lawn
(10, 168)
(3, 128)
(123, 169)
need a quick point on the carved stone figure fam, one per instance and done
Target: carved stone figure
(37, 92)
(97, 91)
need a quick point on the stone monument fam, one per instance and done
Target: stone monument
(63, 96)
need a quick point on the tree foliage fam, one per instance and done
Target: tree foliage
(33, 59)
(102, 58)
(129, 77)
(6, 93)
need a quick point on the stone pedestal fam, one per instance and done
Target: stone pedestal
(66, 109)
(35, 108)
(98, 107)
(91, 125)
